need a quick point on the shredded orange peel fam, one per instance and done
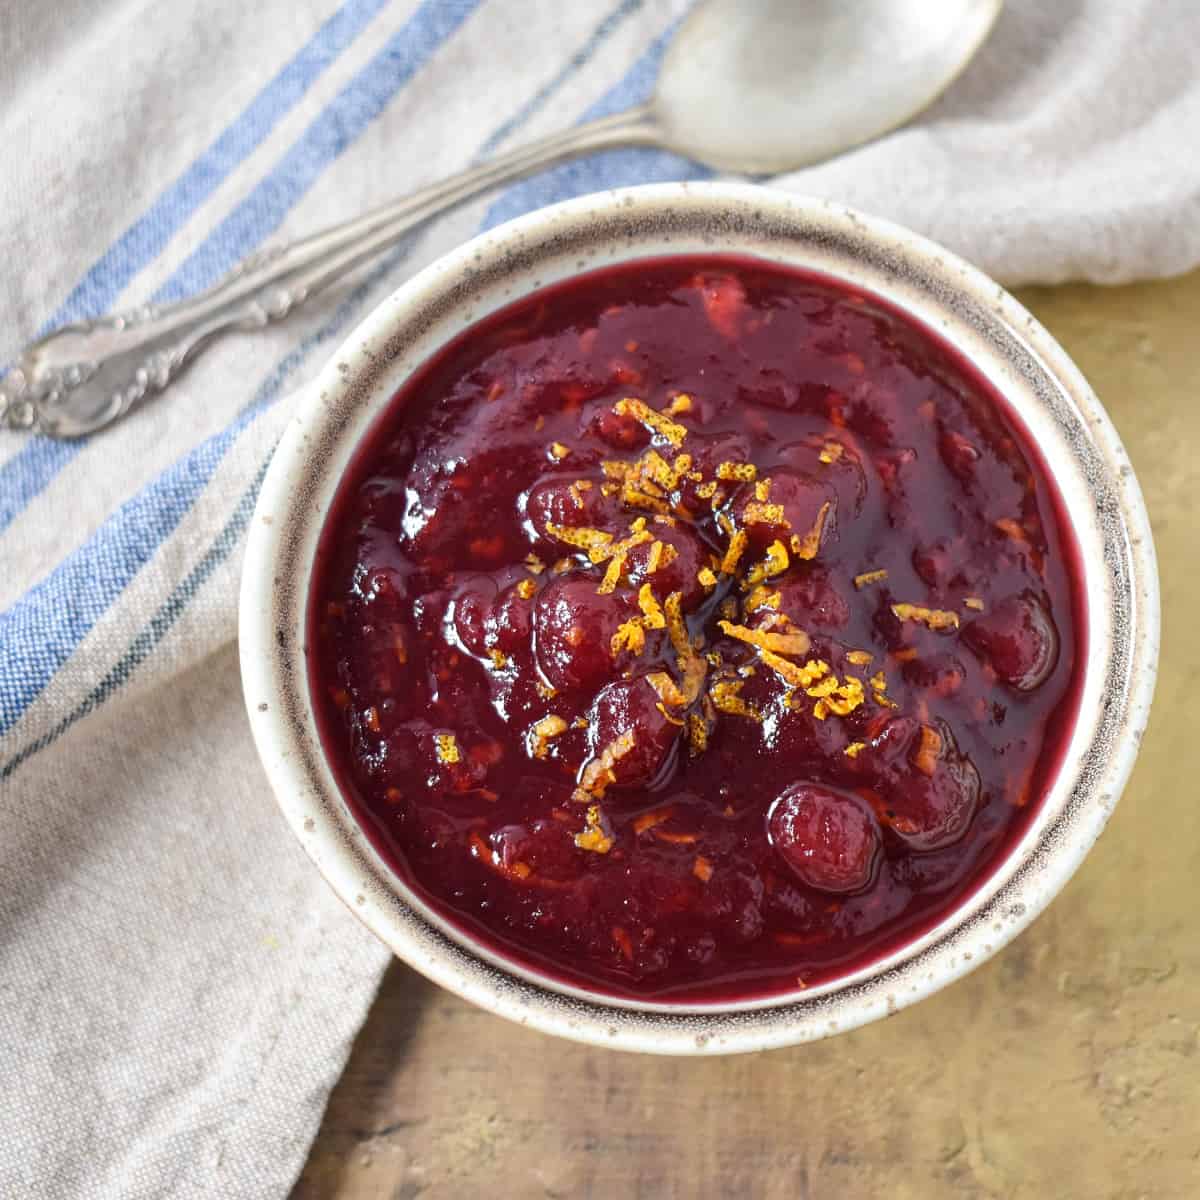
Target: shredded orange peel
(734, 551)
(725, 699)
(759, 513)
(652, 613)
(879, 694)
(868, 577)
(729, 472)
(543, 732)
(658, 423)
(579, 535)
(598, 773)
(677, 627)
(841, 701)
(806, 547)
(592, 837)
(928, 751)
(630, 636)
(775, 563)
(794, 642)
(762, 596)
(669, 692)
(612, 575)
(794, 674)
(934, 618)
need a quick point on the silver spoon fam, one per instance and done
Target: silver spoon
(746, 86)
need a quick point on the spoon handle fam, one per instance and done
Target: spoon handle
(85, 376)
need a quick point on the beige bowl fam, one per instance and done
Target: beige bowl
(978, 317)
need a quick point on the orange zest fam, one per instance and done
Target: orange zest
(598, 772)
(929, 748)
(806, 547)
(935, 618)
(867, 577)
(657, 423)
(630, 636)
(542, 732)
(794, 642)
(593, 837)
(725, 698)
(648, 820)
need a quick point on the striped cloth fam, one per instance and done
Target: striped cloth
(178, 990)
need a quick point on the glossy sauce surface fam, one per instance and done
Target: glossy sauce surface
(696, 629)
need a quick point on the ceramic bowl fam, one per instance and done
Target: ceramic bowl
(977, 316)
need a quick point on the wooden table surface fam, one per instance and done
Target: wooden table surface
(1068, 1066)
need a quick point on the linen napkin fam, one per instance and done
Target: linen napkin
(178, 988)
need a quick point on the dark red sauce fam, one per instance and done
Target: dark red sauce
(696, 629)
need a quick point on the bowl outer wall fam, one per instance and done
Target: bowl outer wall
(986, 324)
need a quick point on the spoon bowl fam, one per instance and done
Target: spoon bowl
(804, 80)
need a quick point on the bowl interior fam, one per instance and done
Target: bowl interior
(981, 321)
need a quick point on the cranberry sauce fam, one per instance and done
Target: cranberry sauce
(696, 629)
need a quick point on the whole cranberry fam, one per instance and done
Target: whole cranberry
(708, 452)
(800, 497)
(877, 413)
(681, 573)
(928, 789)
(545, 846)
(621, 432)
(626, 715)
(1018, 639)
(510, 623)
(811, 597)
(940, 673)
(573, 628)
(836, 462)
(827, 836)
(959, 454)
(473, 604)
(486, 618)
(570, 502)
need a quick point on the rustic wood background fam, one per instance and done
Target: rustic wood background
(1068, 1066)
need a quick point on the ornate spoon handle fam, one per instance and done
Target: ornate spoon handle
(83, 377)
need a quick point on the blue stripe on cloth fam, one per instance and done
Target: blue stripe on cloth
(223, 545)
(162, 504)
(43, 628)
(34, 638)
(575, 63)
(610, 168)
(334, 130)
(28, 472)
(155, 630)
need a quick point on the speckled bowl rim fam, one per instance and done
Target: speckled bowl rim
(1100, 491)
